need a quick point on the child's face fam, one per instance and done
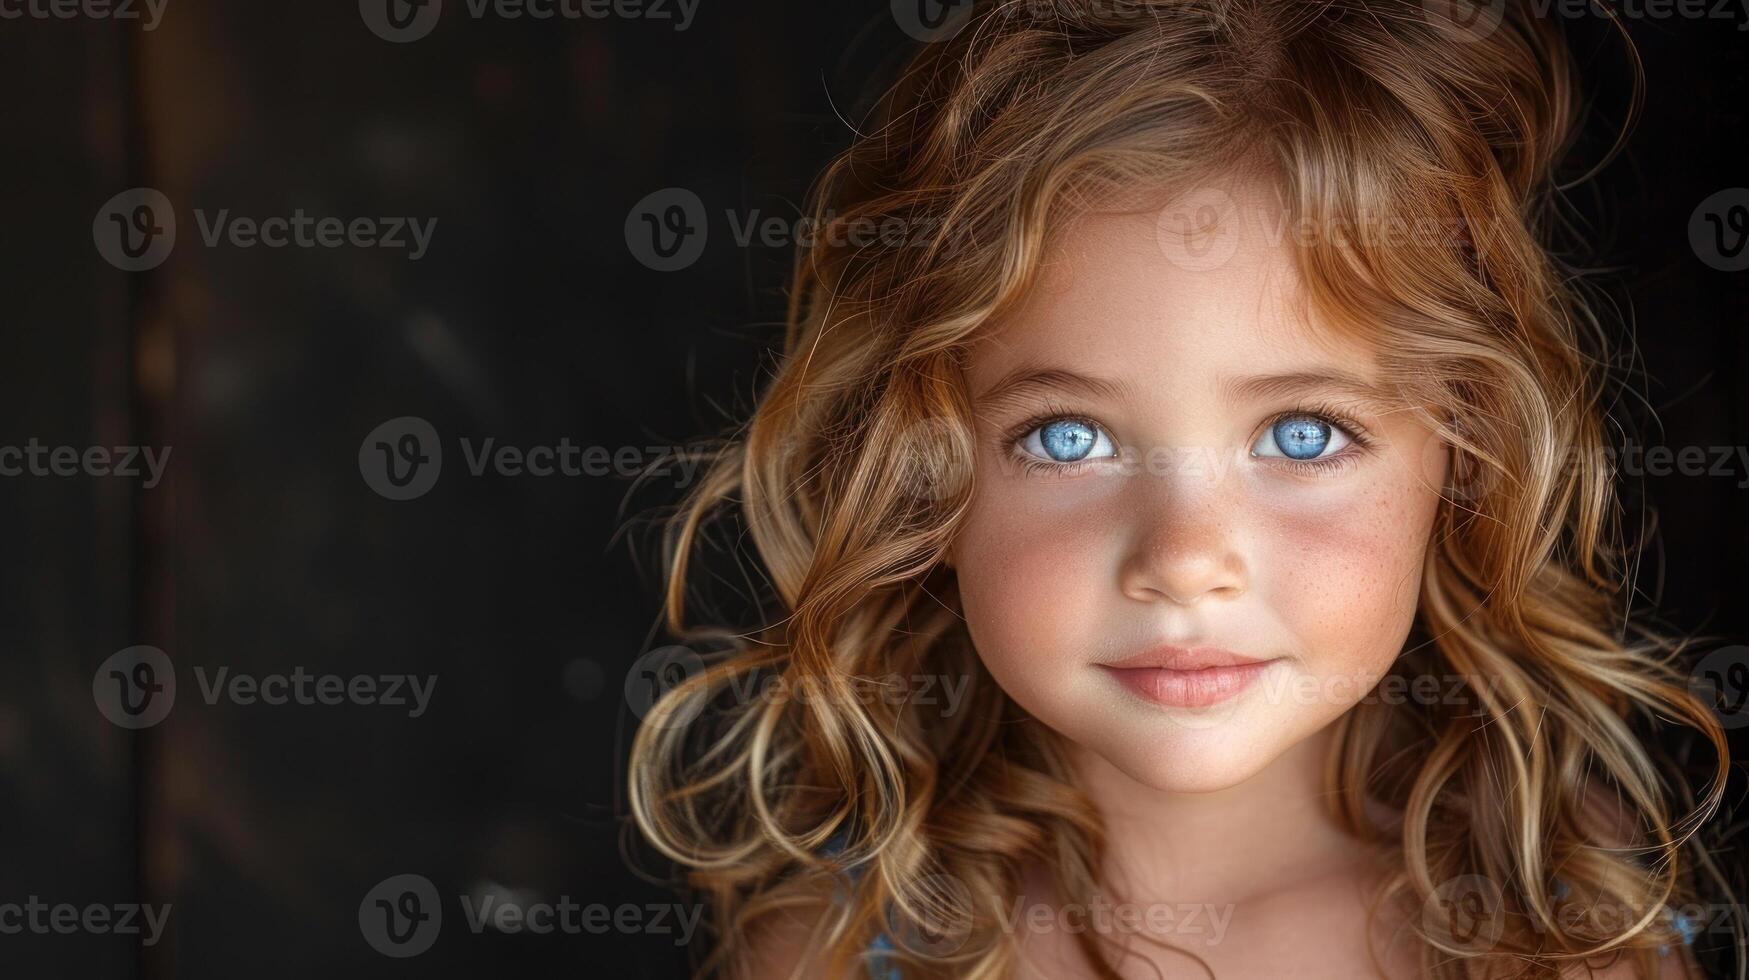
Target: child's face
(1182, 507)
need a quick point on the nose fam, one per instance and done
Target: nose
(1184, 547)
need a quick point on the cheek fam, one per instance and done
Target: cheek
(1336, 567)
(1033, 576)
(1342, 568)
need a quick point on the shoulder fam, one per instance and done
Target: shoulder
(1611, 822)
(789, 942)
(1606, 817)
(1675, 964)
(781, 945)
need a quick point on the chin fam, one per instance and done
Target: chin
(1176, 759)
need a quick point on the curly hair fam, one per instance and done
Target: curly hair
(854, 471)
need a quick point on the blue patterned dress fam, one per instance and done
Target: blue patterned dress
(1685, 924)
(880, 966)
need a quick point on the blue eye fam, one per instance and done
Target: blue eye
(1067, 441)
(1300, 437)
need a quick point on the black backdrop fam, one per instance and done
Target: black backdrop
(266, 547)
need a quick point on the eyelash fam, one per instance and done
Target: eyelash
(1360, 441)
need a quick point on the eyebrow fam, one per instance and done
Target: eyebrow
(1024, 381)
(1261, 386)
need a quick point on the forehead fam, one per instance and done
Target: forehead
(1207, 284)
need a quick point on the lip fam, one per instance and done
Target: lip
(1188, 678)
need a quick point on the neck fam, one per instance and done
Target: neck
(1222, 846)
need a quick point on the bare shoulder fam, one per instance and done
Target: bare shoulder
(784, 944)
(1678, 965)
(1606, 817)
(1611, 822)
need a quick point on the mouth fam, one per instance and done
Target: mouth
(1188, 678)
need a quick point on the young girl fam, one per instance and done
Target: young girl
(1184, 539)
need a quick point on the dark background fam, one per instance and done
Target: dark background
(529, 320)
